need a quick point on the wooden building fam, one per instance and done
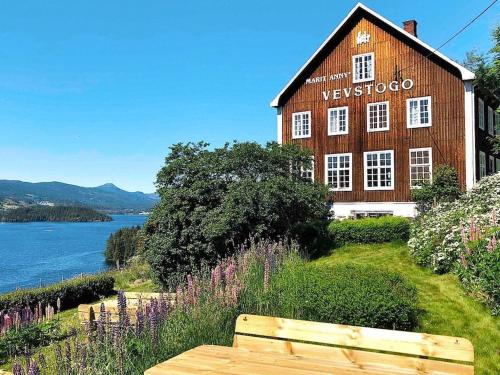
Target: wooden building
(380, 109)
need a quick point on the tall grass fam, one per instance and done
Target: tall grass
(259, 280)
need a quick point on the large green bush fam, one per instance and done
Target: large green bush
(369, 230)
(347, 294)
(214, 201)
(72, 292)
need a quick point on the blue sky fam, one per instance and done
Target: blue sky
(96, 91)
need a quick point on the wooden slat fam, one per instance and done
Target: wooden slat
(231, 361)
(422, 344)
(351, 357)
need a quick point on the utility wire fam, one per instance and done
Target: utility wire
(455, 35)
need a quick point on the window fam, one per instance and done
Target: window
(480, 109)
(338, 121)
(301, 124)
(497, 116)
(491, 165)
(308, 173)
(338, 172)
(418, 112)
(363, 68)
(378, 116)
(379, 170)
(498, 165)
(482, 164)
(491, 124)
(420, 166)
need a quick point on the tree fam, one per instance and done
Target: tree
(212, 202)
(443, 188)
(122, 245)
(487, 70)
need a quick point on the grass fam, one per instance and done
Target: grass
(447, 310)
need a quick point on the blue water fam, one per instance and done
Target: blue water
(30, 252)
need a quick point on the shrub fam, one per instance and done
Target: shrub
(368, 230)
(443, 188)
(122, 245)
(213, 201)
(72, 292)
(347, 294)
(462, 237)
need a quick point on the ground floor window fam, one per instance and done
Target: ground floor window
(379, 170)
(491, 165)
(420, 166)
(338, 171)
(308, 173)
(482, 164)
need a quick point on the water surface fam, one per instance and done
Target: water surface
(34, 253)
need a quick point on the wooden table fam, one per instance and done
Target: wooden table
(209, 359)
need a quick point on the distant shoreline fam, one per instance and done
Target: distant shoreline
(54, 214)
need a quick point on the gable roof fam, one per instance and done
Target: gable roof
(464, 73)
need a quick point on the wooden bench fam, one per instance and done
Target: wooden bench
(90, 312)
(376, 351)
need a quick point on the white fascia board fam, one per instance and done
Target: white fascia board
(466, 74)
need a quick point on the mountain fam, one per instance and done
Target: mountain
(107, 197)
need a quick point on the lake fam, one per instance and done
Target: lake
(30, 252)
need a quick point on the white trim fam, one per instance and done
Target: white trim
(308, 113)
(420, 125)
(350, 171)
(466, 74)
(497, 164)
(372, 73)
(368, 117)
(302, 170)
(411, 165)
(279, 125)
(482, 157)
(470, 131)
(348, 209)
(491, 121)
(480, 110)
(365, 167)
(346, 131)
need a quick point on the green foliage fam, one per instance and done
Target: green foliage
(487, 66)
(17, 341)
(72, 292)
(443, 188)
(56, 213)
(213, 201)
(122, 245)
(349, 294)
(368, 230)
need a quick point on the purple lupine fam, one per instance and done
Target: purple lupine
(266, 274)
(164, 306)
(230, 272)
(67, 354)
(17, 369)
(101, 322)
(33, 368)
(191, 290)
(139, 325)
(83, 358)
(123, 318)
(153, 325)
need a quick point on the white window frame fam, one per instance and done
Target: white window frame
(491, 123)
(415, 165)
(338, 169)
(372, 72)
(429, 110)
(302, 170)
(338, 109)
(480, 110)
(482, 164)
(491, 165)
(497, 167)
(308, 113)
(368, 117)
(497, 123)
(365, 170)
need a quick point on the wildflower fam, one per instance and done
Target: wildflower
(463, 260)
(139, 325)
(67, 354)
(230, 272)
(266, 274)
(462, 234)
(493, 220)
(101, 330)
(153, 320)
(42, 361)
(17, 369)
(123, 318)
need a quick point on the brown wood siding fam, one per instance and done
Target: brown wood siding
(446, 136)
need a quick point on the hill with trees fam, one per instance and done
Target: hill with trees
(48, 213)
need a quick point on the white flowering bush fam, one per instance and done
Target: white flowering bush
(442, 238)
